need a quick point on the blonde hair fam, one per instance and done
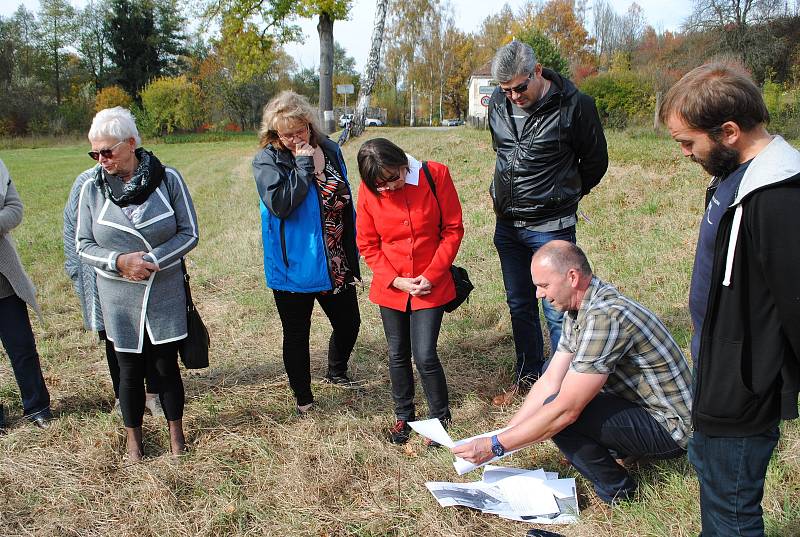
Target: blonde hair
(284, 110)
(117, 123)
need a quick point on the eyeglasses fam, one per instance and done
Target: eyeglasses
(381, 182)
(522, 88)
(105, 153)
(290, 137)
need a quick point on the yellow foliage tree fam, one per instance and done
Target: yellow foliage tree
(172, 103)
(110, 97)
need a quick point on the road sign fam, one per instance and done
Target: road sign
(485, 90)
(485, 100)
(345, 89)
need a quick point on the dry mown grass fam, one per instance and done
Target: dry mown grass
(255, 468)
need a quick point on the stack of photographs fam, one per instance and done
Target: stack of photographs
(533, 496)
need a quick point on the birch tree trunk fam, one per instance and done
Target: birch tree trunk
(411, 121)
(370, 70)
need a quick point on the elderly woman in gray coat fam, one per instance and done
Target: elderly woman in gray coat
(135, 223)
(16, 293)
(84, 281)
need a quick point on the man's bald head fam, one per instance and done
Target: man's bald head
(563, 256)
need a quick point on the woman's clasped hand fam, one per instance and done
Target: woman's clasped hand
(413, 286)
(134, 266)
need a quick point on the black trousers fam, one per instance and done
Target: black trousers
(415, 333)
(295, 313)
(17, 337)
(610, 428)
(159, 363)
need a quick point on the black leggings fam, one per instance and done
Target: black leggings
(113, 366)
(159, 363)
(295, 313)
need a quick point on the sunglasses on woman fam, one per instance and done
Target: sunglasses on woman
(106, 153)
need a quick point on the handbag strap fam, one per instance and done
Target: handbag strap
(433, 190)
(189, 301)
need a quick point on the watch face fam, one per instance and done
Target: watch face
(497, 448)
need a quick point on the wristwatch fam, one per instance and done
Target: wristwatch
(497, 447)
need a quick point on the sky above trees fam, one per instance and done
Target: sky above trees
(468, 15)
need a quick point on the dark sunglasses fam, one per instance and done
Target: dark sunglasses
(522, 88)
(106, 153)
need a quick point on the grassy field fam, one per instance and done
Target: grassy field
(257, 469)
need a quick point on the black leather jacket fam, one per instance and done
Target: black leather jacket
(561, 155)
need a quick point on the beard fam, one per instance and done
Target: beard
(720, 161)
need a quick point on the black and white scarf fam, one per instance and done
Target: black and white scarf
(145, 179)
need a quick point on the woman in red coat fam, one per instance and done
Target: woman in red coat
(409, 237)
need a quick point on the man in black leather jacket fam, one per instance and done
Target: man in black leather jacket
(551, 151)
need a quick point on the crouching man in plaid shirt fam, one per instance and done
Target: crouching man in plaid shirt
(617, 387)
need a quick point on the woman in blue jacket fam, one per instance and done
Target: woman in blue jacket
(308, 232)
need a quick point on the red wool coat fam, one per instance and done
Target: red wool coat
(398, 234)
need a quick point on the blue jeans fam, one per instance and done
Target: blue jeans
(731, 473)
(17, 337)
(415, 333)
(516, 246)
(610, 428)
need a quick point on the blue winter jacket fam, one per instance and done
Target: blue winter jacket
(295, 255)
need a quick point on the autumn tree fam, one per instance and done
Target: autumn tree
(546, 52)
(240, 73)
(560, 21)
(614, 32)
(93, 41)
(495, 31)
(736, 25)
(465, 60)
(57, 29)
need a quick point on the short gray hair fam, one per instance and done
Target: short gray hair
(512, 60)
(564, 256)
(117, 123)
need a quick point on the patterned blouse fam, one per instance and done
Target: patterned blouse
(336, 199)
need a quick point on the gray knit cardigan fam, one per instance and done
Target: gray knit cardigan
(167, 231)
(84, 278)
(10, 265)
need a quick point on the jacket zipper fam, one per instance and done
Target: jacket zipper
(283, 244)
(712, 299)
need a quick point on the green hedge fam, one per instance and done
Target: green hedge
(622, 99)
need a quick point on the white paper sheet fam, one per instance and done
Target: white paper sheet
(492, 474)
(561, 488)
(434, 430)
(528, 496)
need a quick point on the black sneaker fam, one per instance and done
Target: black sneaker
(342, 381)
(432, 443)
(400, 433)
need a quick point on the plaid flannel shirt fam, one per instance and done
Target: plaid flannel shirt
(613, 335)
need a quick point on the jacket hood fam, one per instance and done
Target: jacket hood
(776, 163)
(564, 85)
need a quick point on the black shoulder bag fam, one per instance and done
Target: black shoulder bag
(194, 347)
(460, 276)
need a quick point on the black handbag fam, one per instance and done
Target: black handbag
(194, 347)
(459, 274)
